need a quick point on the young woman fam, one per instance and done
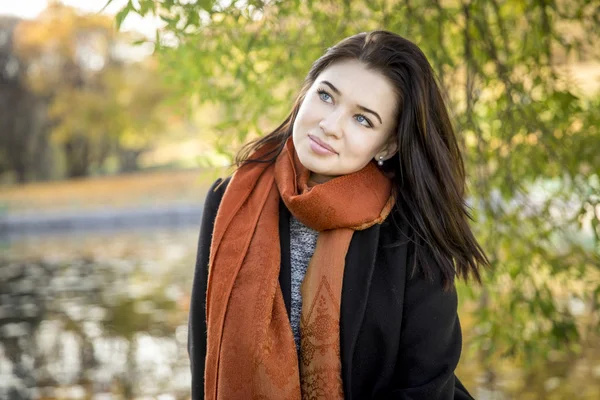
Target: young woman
(326, 262)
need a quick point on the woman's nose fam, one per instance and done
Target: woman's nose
(331, 124)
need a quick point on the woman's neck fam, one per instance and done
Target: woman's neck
(316, 179)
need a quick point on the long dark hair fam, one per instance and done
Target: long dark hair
(428, 169)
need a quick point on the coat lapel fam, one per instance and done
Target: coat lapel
(358, 272)
(285, 273)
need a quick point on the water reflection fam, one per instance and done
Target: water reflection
(96, 314)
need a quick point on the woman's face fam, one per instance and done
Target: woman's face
(346, 120)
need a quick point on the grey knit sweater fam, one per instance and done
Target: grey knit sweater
(302, 246)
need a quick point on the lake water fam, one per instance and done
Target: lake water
(96, 314)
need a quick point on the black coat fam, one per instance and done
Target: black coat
(400, 338)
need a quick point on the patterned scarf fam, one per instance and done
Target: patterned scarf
(251, 352)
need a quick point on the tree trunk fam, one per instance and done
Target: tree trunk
(128, 160)
(77, 150)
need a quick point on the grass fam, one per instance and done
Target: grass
(130, 190)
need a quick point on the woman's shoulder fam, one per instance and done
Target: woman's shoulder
(396, 230)
(214, 195)
(217, 189)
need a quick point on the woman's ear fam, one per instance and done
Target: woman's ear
(392, 147)
(388, 150)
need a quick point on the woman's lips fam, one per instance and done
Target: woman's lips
(320, 147)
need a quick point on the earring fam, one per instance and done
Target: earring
(380, 162)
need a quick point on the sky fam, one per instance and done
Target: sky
(31, 8)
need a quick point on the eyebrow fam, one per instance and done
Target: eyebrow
(365, 109)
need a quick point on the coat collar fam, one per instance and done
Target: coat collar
(358, 273)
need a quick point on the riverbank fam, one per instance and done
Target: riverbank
(143, 199)
(141, 189)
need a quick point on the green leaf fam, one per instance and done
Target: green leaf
(108, 2)
(122, 14)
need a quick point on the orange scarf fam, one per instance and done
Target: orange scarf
(251, 352)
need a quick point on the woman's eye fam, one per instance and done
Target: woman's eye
(323, 95)
(364, 121)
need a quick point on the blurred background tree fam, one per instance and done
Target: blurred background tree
(527, 121)
(22, 129)
(79, 101)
